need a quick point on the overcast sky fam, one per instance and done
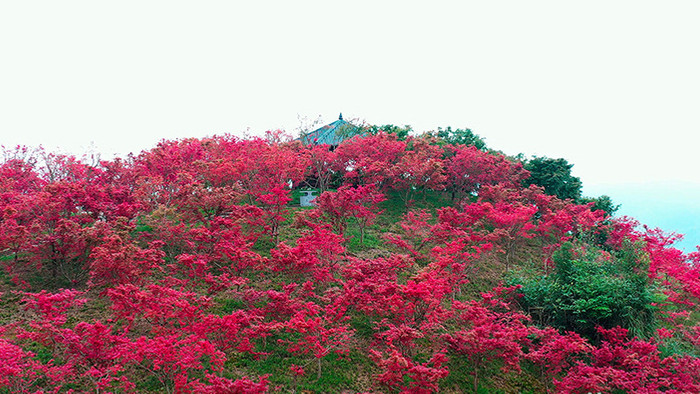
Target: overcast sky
(612, 86)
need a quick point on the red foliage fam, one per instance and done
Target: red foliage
(470, 168)
(420, 167)
(117, 262)
(323, 161)
(395, 368)
(488, 330)
(317, 253)
(555, 353)
(167, 251)
(258, 166)
(632, 365)
(348, 202)
(370, 160)
(219, 385)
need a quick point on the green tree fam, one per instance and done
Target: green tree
(555, 176)
(459, 137)
(604, 203)
(589, 289)
(402, 132)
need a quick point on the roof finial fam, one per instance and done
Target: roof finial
(341, 116)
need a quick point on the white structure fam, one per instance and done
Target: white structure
(307, 198)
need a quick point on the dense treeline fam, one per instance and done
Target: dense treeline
(427, 264)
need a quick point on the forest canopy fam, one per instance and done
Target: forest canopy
(427, 263)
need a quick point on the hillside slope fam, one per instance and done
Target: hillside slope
(424, 266)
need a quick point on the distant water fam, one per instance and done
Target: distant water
(671, 206)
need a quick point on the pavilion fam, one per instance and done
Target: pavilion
(331, 134)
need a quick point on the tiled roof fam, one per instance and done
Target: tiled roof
(330, 134)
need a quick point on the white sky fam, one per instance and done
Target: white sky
(612, 86)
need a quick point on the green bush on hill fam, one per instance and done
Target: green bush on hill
(590, 288)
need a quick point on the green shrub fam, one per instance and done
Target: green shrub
(590, 288)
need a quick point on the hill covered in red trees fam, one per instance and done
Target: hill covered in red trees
(427, 264)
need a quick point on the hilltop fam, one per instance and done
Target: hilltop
(427, 263)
